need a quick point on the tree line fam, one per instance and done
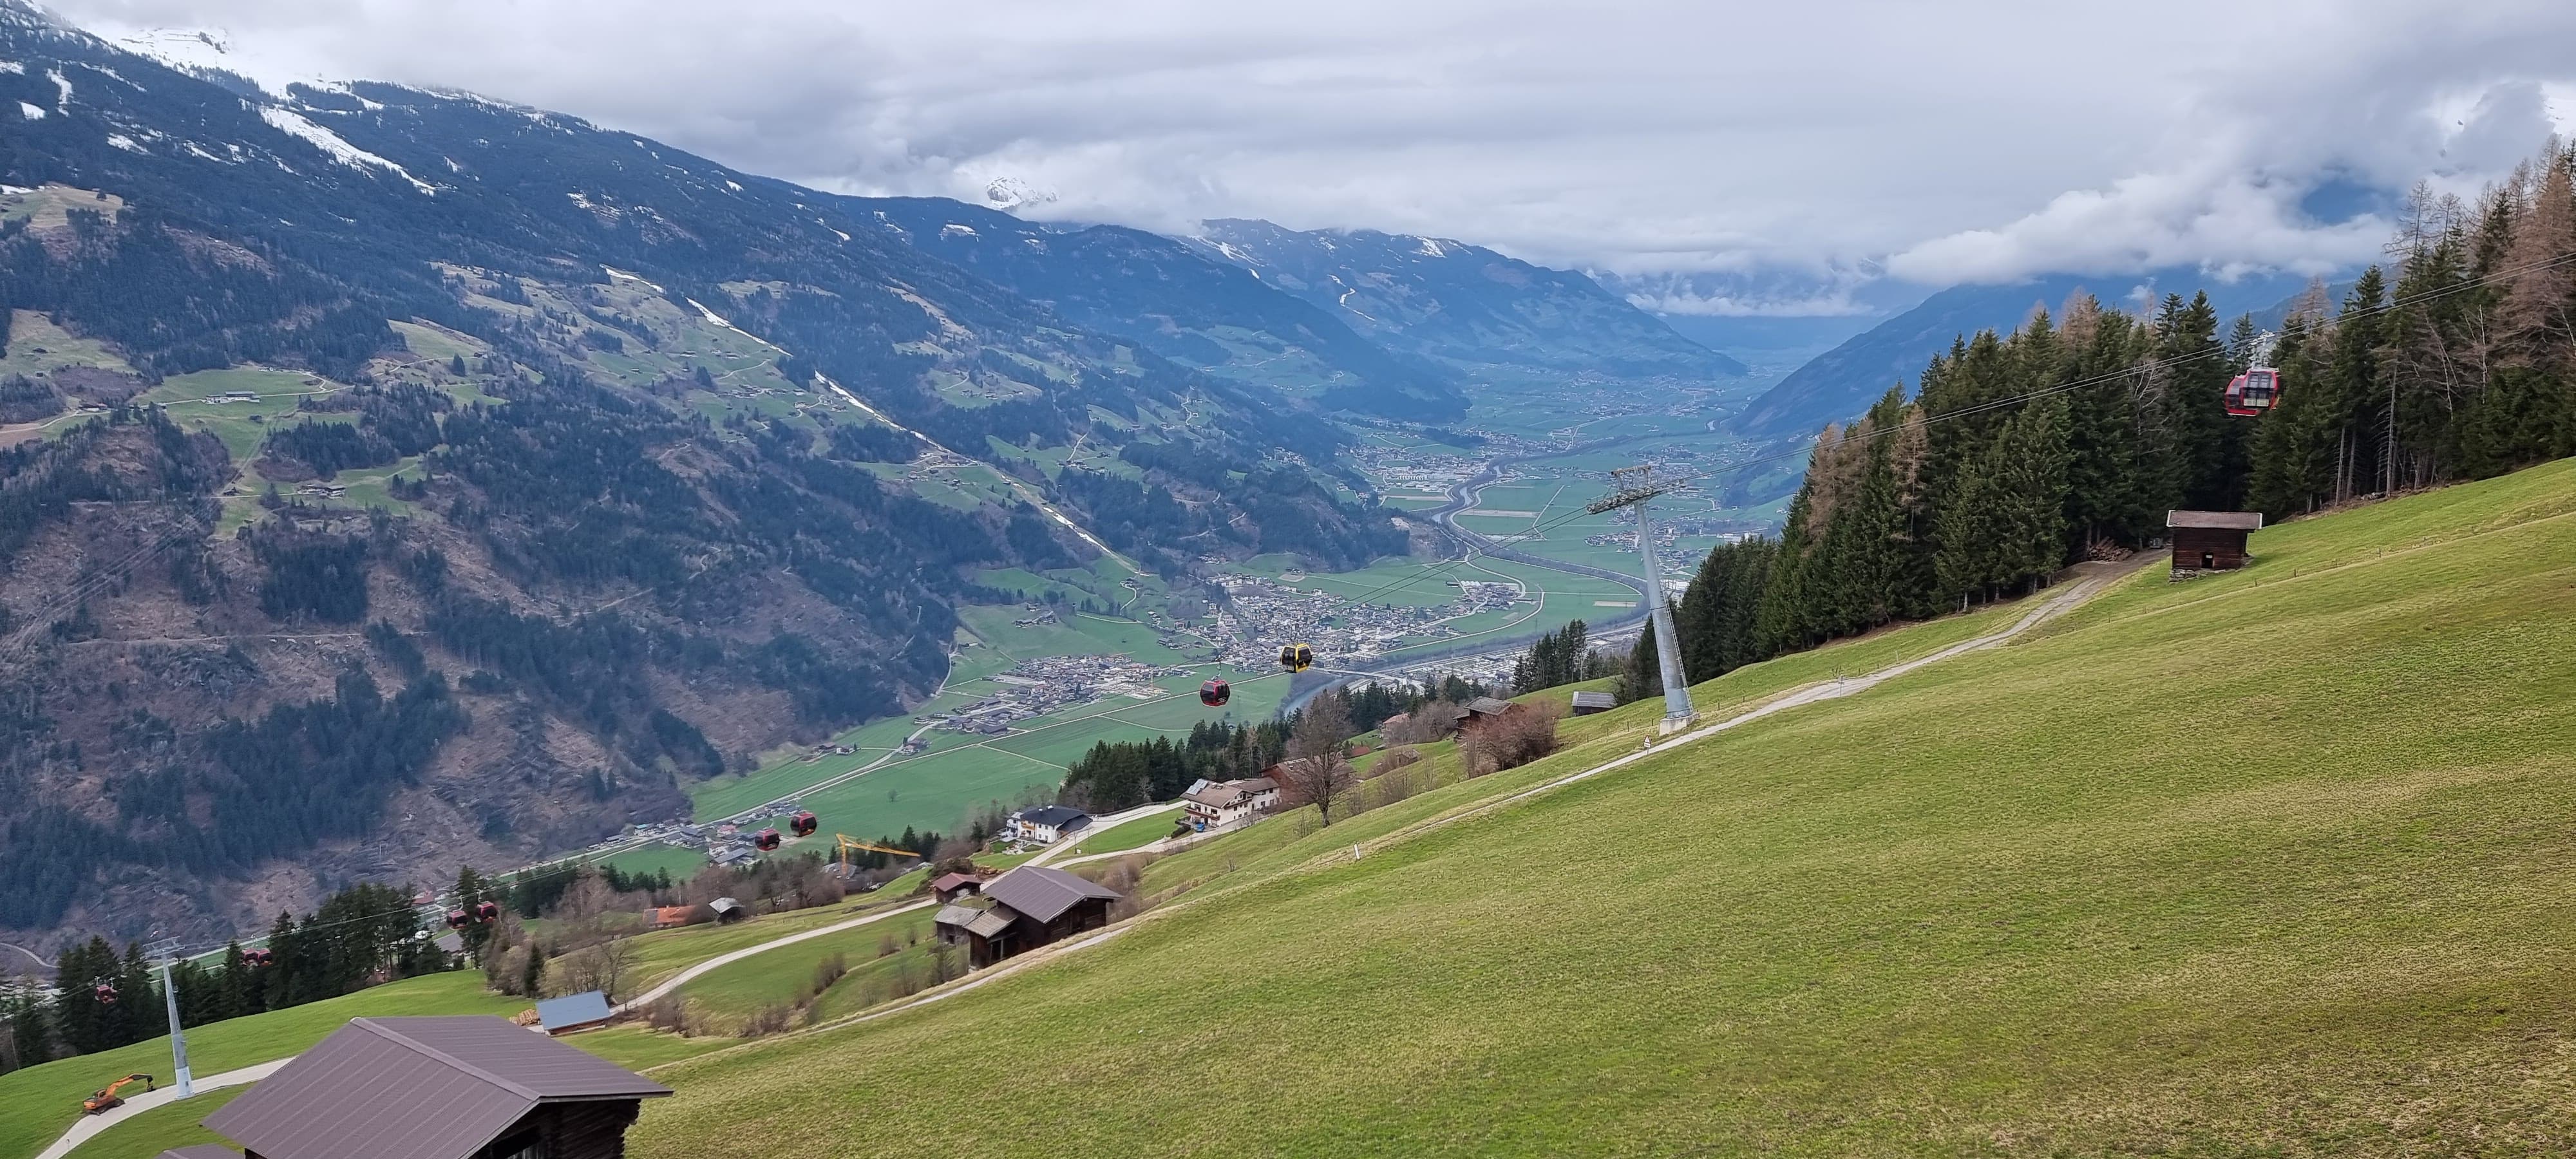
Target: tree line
(103, 998)
(2076, 433)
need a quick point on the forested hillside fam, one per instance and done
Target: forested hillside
(396, 478)
(2076, 433)
(1841, 381)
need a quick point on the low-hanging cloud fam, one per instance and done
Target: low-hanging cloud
(1735, 143)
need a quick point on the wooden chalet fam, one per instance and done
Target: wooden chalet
(2211, 540)
(1026, 908)
(457, 1087)
(949, 887)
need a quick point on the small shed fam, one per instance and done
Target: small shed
(1587, 703)
(453, 1087)
(728, 910)
(2211, 540)
(951, 886)
(573, 1013)
(1487, 707)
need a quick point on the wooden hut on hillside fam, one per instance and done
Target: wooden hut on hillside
(2211, 540)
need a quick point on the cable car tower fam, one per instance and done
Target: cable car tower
(1632, 487)
(167, 950)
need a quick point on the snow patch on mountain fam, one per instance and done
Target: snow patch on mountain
(338, 150)
(121, 141)
(341, 88)
(618, 275)
(112, 73)
(13, 68)
(31, 112)
(952, 229)
(62, 90)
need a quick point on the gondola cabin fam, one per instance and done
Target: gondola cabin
(767, 840)
(258, 957)
(487, 911)
(105, 993)
(458, 919)
(1215, 693)
(805, 824)
(1296, 657)
(2211, 540)
(2252, 393)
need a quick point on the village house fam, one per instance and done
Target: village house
(1026, 908)
(1216, 806)
(1587, 703)
(452, 1087)
(1047, 824)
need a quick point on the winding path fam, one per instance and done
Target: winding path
(88, 1126)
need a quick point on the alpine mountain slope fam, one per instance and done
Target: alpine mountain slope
(394, 478)
(1491, 316)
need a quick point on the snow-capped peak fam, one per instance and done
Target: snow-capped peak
(1009, 193)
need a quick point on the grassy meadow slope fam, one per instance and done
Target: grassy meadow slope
(2277, 862)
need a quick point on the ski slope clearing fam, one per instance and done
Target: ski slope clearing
(2271, 862)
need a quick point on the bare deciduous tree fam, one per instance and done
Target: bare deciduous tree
(1315, 780)
(617, 958)
(1511, 740)
(1322, 729)
(1434, 721)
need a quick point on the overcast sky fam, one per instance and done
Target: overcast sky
(1785, 150)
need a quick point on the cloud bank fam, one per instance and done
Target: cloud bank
(1753, 158)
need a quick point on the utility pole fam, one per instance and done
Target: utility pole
(1632, 487)
(168, 952)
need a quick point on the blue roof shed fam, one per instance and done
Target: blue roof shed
(573, 1012)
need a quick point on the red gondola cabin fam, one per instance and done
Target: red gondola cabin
(458, 919)
(1215, 693)
(2252, 393)
(805, 824)
(767, 840)
(487, 911)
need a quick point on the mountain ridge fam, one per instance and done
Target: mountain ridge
(514, 443)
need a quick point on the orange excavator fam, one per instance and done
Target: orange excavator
(843, 845)
(108, 1100)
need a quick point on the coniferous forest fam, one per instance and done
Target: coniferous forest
(2073, 435)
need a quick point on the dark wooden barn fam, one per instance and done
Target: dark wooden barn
(461, 1087)
(1031, 906)
(2211, 540)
